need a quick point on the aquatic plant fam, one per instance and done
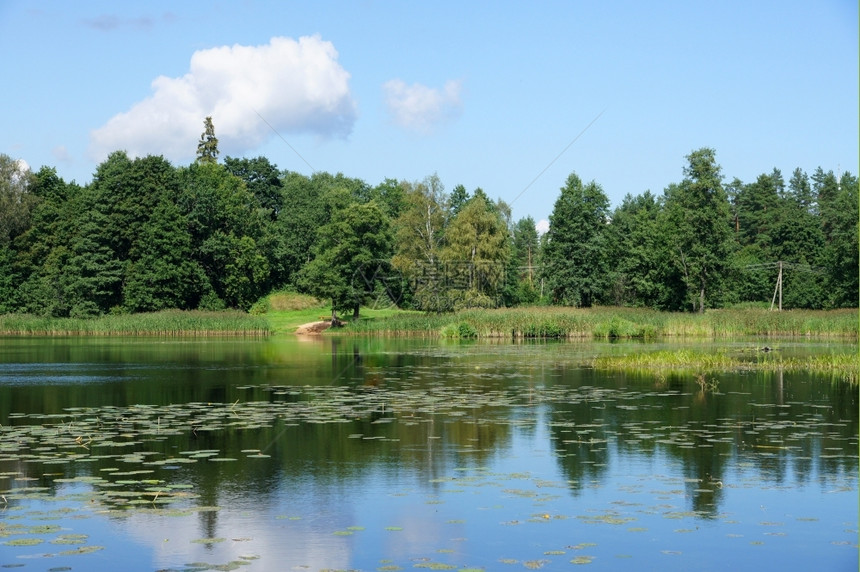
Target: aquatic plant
(844, 366)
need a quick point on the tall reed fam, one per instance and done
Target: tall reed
(611, 322)
(842, 365)
(164, 323)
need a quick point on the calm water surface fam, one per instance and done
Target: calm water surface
(325, 453)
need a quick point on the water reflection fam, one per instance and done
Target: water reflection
(340, 453)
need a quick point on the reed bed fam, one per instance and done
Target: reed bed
(844, 366)
(612, 323)
(169, 323)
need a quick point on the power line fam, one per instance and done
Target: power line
(558, 156)
(793, 265)
(284, 140)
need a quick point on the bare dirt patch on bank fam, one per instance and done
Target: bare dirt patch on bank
(312, 328)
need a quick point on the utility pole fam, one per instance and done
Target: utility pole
(778, 289)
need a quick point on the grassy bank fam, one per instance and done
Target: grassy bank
(286, 311)
(610, 323)
(165, 323)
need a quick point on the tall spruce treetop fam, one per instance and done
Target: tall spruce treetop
(207, 147)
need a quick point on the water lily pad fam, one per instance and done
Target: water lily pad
(24, 542)
(81, 550)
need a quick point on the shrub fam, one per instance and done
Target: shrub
(463, 330)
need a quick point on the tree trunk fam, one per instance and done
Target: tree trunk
(355, 312)
(702, 300)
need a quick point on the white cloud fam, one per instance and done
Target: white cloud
(542, 226)
(297, 86)
(61, 154)
(420, 108)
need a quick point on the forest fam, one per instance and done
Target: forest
(145, 235)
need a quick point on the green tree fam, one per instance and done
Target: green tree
(226, 227)
(803, 243)
(163, 273)
(389, 196)
(638, 253)
(312, 201)
(42, 251)
(800, 191)
(92, 281)
(476, 254)
(296, 226)
(700, 228)
(16, 200)
(262, 179)
(16, 204)
(8, 303)
(207, 147)
(758, 210)
(419, 237)
(458, 199)
(355, 239)
(840, 252)
(524, 267)
(126, 192)
(575, 252)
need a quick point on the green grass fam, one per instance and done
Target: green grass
(611, 323)
(286, 311)
(283, 312)
(164, 323)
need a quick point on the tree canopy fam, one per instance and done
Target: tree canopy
(576, 251)
(145, 235)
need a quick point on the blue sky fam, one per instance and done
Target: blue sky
(484, 94)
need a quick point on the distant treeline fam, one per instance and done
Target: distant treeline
(145, 235)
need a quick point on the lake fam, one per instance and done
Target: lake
(367, 454)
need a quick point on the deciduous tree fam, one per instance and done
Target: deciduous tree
(700, 227)
(419, 237)
(476, 254)
(16, 200)
(638, 253)
(352, 242)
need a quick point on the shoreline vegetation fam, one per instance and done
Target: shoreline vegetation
(606, 323)
(167, 323)
(284, 313)
(842, 366)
